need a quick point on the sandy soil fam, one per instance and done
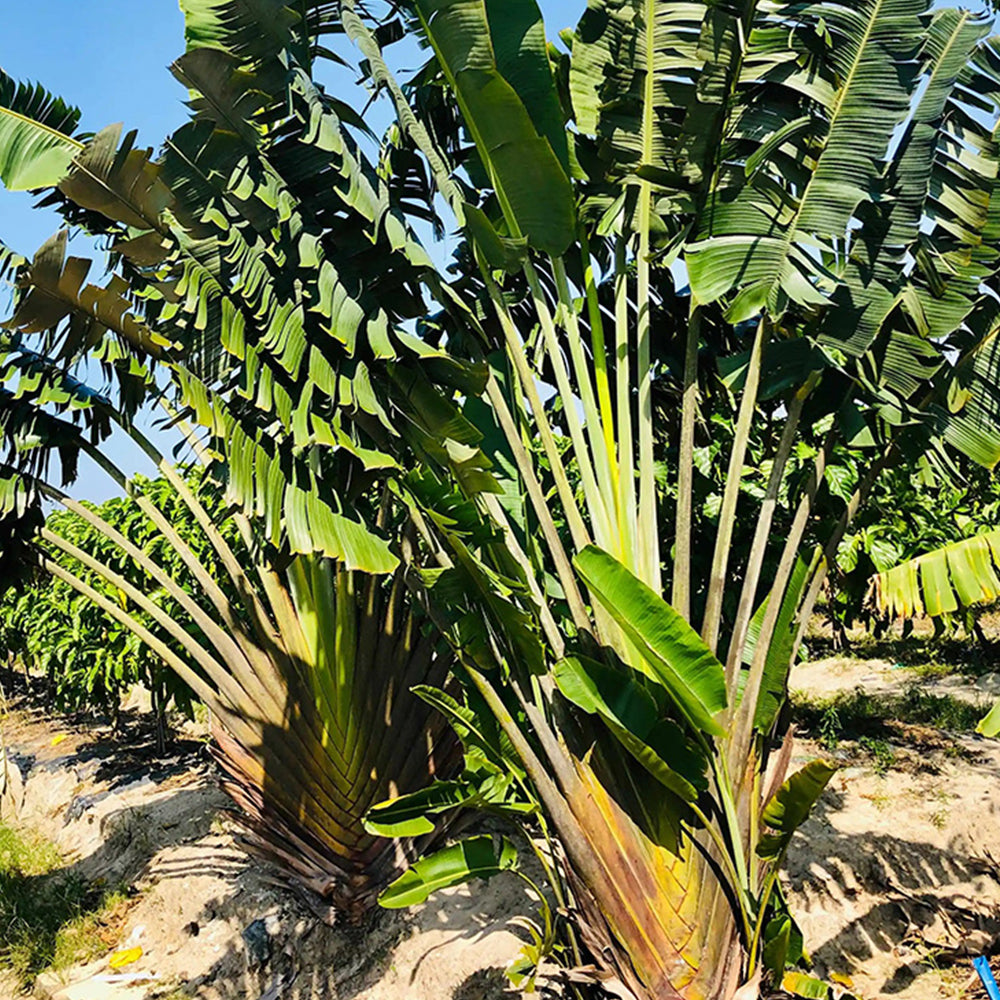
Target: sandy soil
(829, 676)
(893, 879)
(162, 828)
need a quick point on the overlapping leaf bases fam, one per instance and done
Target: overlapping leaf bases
(348, 734)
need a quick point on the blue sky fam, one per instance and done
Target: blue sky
(110, 58)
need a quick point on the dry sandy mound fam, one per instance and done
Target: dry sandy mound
(895, 879)
(892, 878)
(214, 925)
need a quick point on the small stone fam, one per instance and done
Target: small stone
(77, 807)
(193, 929)
(272, 924)
(258, 943)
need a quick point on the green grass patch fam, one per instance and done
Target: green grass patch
(50, 918)
(925, 655)
(869, 721)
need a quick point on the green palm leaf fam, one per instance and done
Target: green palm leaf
(36, 129)
(670, 650)
(791, 805)
(759, 235)
(474, 858)
(509, 104)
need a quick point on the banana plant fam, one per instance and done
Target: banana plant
(933, 551)
(940, 582)
(779, 216)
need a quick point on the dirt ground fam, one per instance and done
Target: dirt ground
(895, 879)
(161, 827)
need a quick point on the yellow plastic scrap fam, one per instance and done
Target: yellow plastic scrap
(126, 957)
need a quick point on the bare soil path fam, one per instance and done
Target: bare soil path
(895, 879)
(160, 828)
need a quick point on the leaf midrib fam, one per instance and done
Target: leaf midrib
(792, 229)
(33, 122)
